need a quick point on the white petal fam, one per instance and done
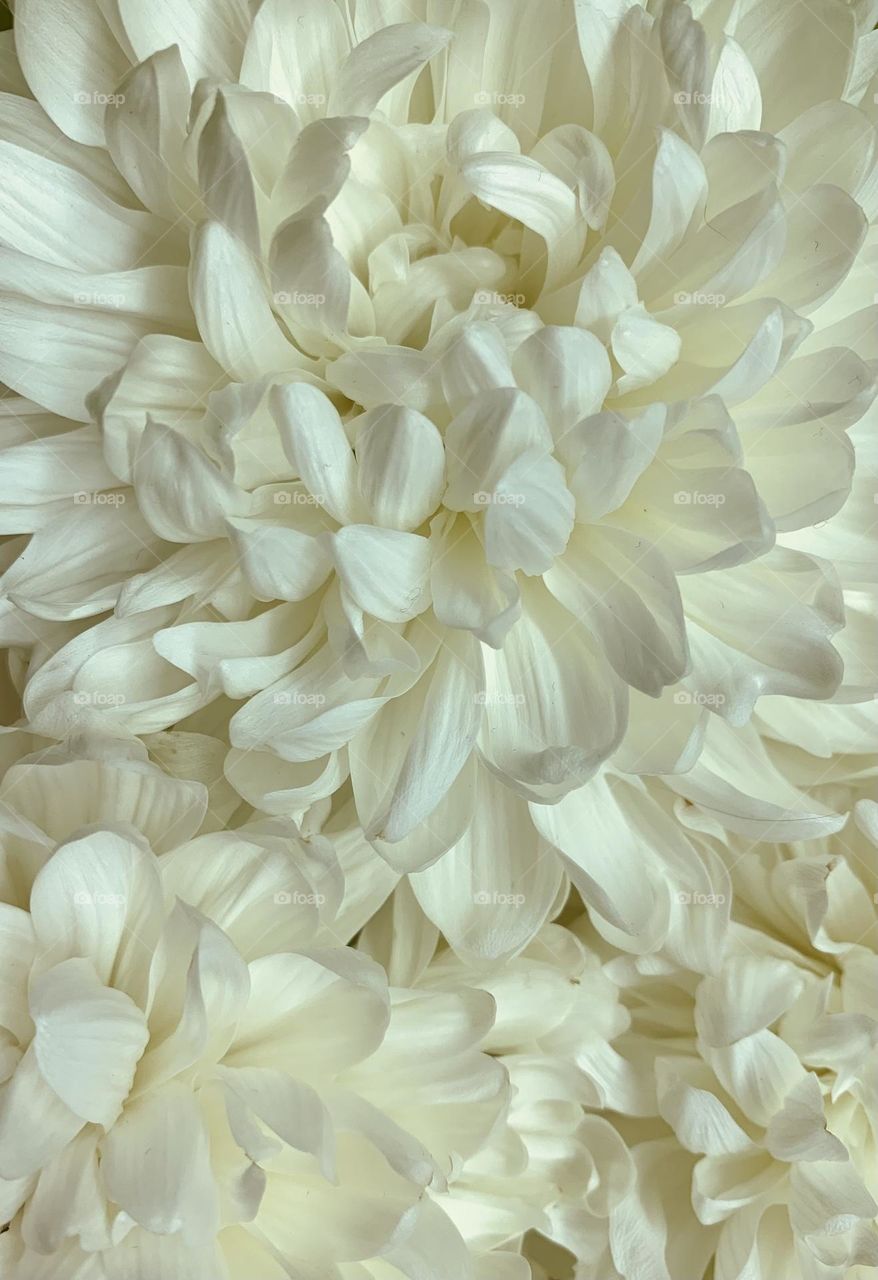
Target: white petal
(291, 1110)
(225, 178)
(183, 495)
(155, 1163)
(523, 189)
(313, 1015)
(495, 428)
(567, 371)
(644, 348)
(57, 216)
(311, 280)
(280, 563)
(626, 593)
(491, 893)
(609, 454)
(736, 781)
(467, 593)
(679, 190)
(210, 35)
(607, 290)
(294, 50)
(381, 61)
(70, 57)
(749, 995)
(420, 742)
(828, 1198)
(789, 36)
(88, 1039)
(783, 647)
(229, 297)
(476, 361)
(69, 1201)
(529, 517)
(758, 1071)
(697, 1116)
(401, 466)
(593, 828)
(385, 572)
(64, 796)
(146, 132)
(99, 899)
(314, 440)
(25, 1146)
(798, 1131)
(553, 707)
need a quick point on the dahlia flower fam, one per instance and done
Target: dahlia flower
(194, 1082)
(767, 1076)
(448, 394)
(218, 1087)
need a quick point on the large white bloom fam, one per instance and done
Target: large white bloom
(767, 1074)
(197, 1079)
(447, 395)
(558, 1166)
(194, 1080)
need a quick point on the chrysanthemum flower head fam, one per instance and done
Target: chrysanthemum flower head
(766, 1075)
(451, 391)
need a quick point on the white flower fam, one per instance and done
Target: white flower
(454, 412)
(553, 1169)
(768, 1077)
(194, 1080)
